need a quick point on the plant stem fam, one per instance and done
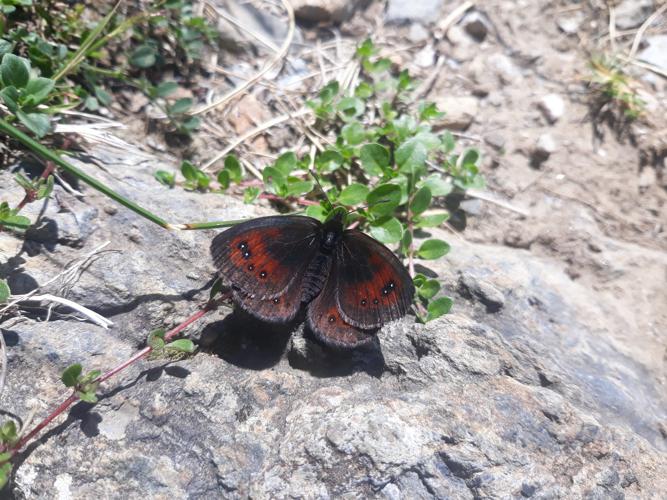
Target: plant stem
(30, 195)
(49, 155)
(62, 407)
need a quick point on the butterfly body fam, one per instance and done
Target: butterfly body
(351, 283)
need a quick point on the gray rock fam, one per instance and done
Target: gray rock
(426, 11)
(503, 67)
(534, 399)
(459, 111)
(571, 23)
(417, 33)
(656, 52)
(631, 13)
(544, 147)
(552, 106)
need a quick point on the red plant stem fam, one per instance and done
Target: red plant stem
(74, 397)
(30, 195)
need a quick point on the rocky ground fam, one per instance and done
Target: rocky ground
(547, 380)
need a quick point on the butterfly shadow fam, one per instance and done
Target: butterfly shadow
(246, 342)
(308, 353)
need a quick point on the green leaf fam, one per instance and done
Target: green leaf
(298, 187)
(286, 163)
(470, 157)
(181, 345)
(429, 111)
(448, 143)
(156, 339)
(181, 106)
(353, 194)
(189, 171)
(223, 179)
(364, 90)
(384, 199)
(273, 178)
(70, 376)
(386, 230)
(45, 187)
(4, 457)
(166, 88)
(10, 96)
(432, 220)
(143, 57)
(413, 152)
(374, 158)
(38, 123)
(5, 292)
(433, 249)
(18, 221)
(166, 178)
(103, 96)
(38, 89)
(88, 396)
(353, 133)
(5, 473)
(15, 71)
(328, 161)
(428, 289)
(437, 185)
(250, 194)
(24, 182)
(366, 49)
(421, 200)
(438, 307)
(329, 91)
(202, 180)
(90, 376)
(351, 107)
(318, 212)
(233, 166)
(8, 432)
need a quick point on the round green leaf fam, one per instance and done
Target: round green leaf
(39, 89)
(387, 230)
(38, 123)
(166, 88)
(351, 107)
(181, 106)
(317, 212)
(384, 199)
(70, 376)
(438, 307)
(353, 194)
(353, 133)
(413, 152)
(432, 220)
(250, 194)
(421, 200)
(233, 166)
(374, 158)
(143, 57)
(298, 187)
(328, 161)
(273, 177)
(5, 292)
(181, 345)
(437, 185)
(223, 179)
(189, 171)
(15, 71)
(428, 289)
(433, 249)
(286, 163)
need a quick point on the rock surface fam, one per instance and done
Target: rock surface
(514, 394)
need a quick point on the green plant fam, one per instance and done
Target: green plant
(385, 161)
(612, 85)
(85, 386)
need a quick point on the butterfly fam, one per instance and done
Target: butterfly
(350, 283)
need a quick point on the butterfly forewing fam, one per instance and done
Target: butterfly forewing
(264, 257)
(373, 287)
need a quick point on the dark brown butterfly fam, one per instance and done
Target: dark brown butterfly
(351, 283)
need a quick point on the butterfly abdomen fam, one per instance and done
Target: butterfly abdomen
(316, 276)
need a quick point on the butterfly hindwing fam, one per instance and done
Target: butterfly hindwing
(326, 322)
(373, 286)
(264, 257)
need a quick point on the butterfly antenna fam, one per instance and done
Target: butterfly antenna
(324, 193)
(368, 206)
